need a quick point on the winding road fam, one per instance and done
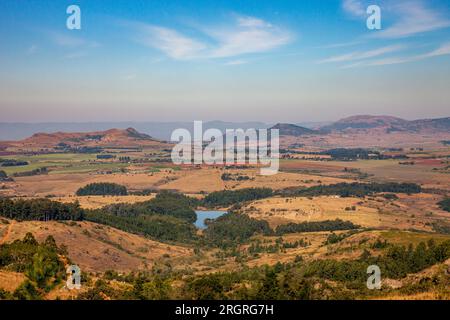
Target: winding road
(8, 231)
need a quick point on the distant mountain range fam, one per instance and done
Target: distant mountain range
(157, 130)
(287, 129)
(370, 124)
(67, 141)
(163, 130)
(388, 125)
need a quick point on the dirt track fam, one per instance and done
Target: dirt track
(8, 231)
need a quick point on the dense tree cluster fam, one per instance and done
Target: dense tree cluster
(167, 217)
(355, 189)
(328, 225)
(350, 154)
(40, 209)
(102, 189)
(165, 203)
(12, 163)
(231, 229)
(335, 238)
(353, 154)
(39, 262)
(445, 204)
(4, 176)
(105, 156)
(162, 228)
(234, 177)
(30, 173)
(231, 197)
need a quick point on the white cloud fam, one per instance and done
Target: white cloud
(411, 17)
(252, 22)
(65, 40)
(340, 45)
(352, 56)
(171, 42)
(441, 51)
(414, 18)
(354, 7)
(236, 62)
(248, 39)
(246, 35)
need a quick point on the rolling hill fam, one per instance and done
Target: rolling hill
(387, 124)
(113, 138)
(95, 247)
(287, 129)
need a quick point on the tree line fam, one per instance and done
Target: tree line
(445, 204)
(38, 261)
(315, 226)
(231, 229)
(231, 197)
(354, 189)
(102, 189)
(40, 210)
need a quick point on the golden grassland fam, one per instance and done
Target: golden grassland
(373, 212)
(97, 202)
(187, 180)
(9, 280)
(97, 248)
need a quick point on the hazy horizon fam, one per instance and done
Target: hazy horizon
(227, 60)
(255, 120)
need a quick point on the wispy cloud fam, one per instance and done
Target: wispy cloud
(340, 45)
(354, 7)
(410, 17)
(236, 62)
(65, 40)
(249, 36)
(414, 18)
(171, 42)
(361, 55)
(244, 36)
(441, 51)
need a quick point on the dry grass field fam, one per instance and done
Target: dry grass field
(9, 281)
(405, 213)
(97, 202)
(97, 248)
(430, 174)
(187, 180)
(364, 140)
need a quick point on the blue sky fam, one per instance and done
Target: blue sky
(272, 61)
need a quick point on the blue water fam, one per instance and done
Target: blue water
(203, 215)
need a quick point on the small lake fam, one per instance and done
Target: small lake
(203, 215)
